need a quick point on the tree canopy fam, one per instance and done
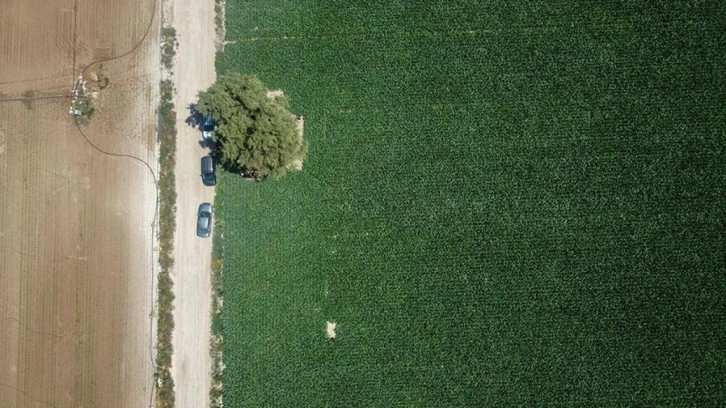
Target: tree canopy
(256, 134)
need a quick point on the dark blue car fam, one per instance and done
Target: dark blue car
(207, 128)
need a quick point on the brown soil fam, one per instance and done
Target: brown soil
(75, 235)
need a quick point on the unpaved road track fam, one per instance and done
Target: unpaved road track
(75, 230)
(193, 72)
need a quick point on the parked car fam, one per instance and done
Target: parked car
(204, 220)
(209, 178)
(207, 128)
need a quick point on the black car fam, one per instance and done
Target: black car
(204, 220)
(208, 176)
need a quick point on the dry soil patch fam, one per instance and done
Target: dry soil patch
(75, 241)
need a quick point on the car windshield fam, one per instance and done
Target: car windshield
(208, 124)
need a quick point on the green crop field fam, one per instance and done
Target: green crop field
(504, 203)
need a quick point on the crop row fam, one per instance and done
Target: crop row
(500, 206)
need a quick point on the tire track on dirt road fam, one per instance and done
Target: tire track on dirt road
(194, 71)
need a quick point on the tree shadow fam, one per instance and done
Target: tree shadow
(195, 117)
(208, 144)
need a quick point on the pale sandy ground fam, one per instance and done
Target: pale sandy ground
(193, 72)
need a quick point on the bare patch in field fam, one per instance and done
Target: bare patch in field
(297, 163)
(275, 94)
(330, 330)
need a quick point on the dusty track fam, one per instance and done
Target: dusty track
(75, 233)
(193, 72)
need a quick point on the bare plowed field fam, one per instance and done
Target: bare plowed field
(76, 227)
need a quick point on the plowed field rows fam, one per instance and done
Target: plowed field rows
(75, 230)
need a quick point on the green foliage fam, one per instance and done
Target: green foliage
(169, 45)
(167, 224)
(217, 341)
(508, 204)
(255, 133)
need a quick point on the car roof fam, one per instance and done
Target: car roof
(207, 163)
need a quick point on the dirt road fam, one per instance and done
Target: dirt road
(75, 231)
(193, 72)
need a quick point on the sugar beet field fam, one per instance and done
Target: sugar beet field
(505, 203)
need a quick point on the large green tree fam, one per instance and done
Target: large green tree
(256, 133)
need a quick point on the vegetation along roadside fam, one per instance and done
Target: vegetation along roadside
(167, 225)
